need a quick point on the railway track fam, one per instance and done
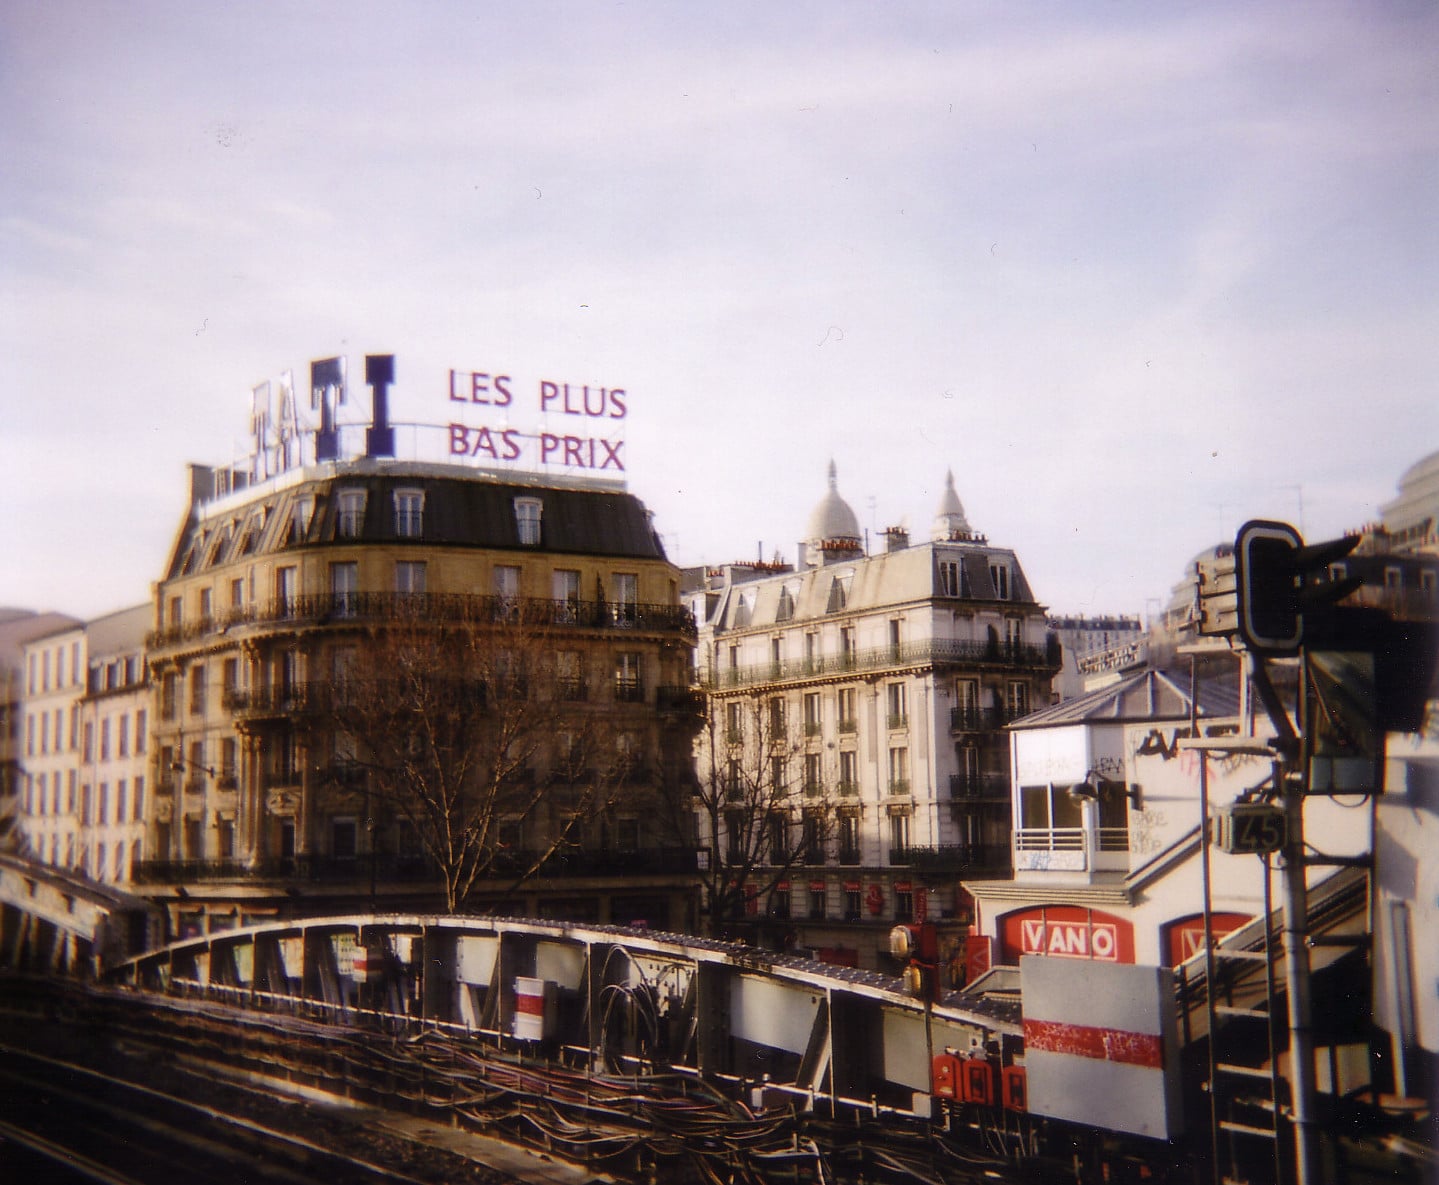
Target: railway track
(152, 1058)
(106, 1129)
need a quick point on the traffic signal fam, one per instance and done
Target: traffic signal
(1281, 581)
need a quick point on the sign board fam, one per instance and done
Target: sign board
(575, 427)
(1101, 1045)
(1066, 932)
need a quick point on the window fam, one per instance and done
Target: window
(104, 739)
(70, 791)
(903, 902)
(627, 677)
(777, 835)
(194, 838)
(569, 676)
(225, 839)
(1018, 699)
(121, 794)
(999, 579)
(177, 615)
(507, 581)
(848, 772)
(122, 736)
(812, 777)
(87, 746)
(410, 578)
(345, 589)
(285, 589)
(811, 651)
(624, 593)
(140, 734)
(45, 734)
(812, 714)
(899, 770)
(301, 514)
(949, 578)
(894, 637)
(779, 773)
(734, 780)
(237, 592)
(527, 520)
(344, 839)
(197, 694)
(229, 753)
(812, 845)
(848, 715)
(779, 902)
(896, 698)
(565, 591)
(899, 832)
(204, 604)
(734, 723)
(816, 902)
(734, 837)
(775, 659)
(138, 805)
(409, 513)
(776, 719)
(846, 645)
(349, 513)
(103, 808)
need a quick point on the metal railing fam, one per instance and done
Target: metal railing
(936, 650)
(953, 860)
(988, 787)
(340, 608)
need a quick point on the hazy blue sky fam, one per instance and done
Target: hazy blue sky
(1134, 271)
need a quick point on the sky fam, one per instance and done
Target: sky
(1134, 272)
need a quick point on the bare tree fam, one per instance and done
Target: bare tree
(470, 733)
(764, 808)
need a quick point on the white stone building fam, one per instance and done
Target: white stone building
(888, 679)
(114, 732)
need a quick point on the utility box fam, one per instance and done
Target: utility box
(1250, 827)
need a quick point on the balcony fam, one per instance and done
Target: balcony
(935, 652)
(896, 721)
(979, 787)
(1071, 849)
(257, 702)
(971, 719)
(447, 608)
(849, 856)
(954, 861)
(680, 699)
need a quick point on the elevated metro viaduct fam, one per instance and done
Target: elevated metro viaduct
(609, 995)
(63, 923)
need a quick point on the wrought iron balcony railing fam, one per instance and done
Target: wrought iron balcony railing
(341, 608)
(952, 861)
(984, 787)
(937, 651)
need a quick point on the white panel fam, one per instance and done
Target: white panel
(1051, 755)
(560, 963)
(1106, 1001)
(477, 959)
(906, 1053)
(773, 1014)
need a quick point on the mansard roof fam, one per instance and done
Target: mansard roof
(460, 510)
(867, 583)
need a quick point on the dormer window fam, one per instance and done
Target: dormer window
(349, 513)
(301, 513)
(999, 578)
(527, 520)
(409, 513)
